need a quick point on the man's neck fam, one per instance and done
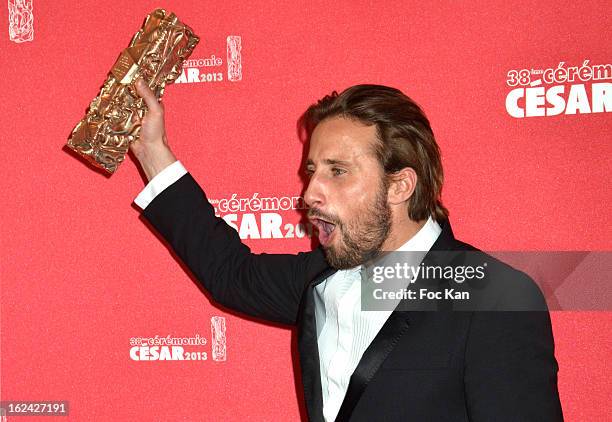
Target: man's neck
(402, 233)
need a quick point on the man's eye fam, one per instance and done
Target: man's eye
(337, 171)
(308, 173)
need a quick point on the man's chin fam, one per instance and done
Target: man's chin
(332, 257)
(339, 260)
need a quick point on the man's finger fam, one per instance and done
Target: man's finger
(143, 90)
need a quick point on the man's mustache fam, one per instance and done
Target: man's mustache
(317, 213)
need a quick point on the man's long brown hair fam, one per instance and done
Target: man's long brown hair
(405, 138)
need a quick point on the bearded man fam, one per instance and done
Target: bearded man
(375, 180)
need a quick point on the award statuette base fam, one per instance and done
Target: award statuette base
(156, 54)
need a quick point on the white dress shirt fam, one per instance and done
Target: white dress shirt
(161, 181)
(344, 331)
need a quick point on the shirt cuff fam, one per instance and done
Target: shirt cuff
(161, 181)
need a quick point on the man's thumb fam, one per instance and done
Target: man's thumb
(143, 90)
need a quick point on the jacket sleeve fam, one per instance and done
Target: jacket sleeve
(267, 286)
(510, 369)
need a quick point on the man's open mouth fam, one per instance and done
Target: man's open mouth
(325, 229)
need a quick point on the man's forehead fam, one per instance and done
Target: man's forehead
(340, 139)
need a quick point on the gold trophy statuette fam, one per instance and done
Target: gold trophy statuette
(112, 121)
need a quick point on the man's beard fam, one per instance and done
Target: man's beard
(359, 240)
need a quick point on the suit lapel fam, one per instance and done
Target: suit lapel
(384, 342)
(309, 352)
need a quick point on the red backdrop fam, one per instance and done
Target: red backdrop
(82, 275)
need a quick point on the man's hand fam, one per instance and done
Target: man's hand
(152, 149)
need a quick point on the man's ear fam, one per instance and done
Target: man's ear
(402, 185)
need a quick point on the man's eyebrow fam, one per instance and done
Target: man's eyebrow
(333, 162)
(329, 161)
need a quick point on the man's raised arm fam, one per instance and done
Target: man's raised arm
(268, 286)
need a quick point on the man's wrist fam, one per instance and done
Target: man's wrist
(154, 158)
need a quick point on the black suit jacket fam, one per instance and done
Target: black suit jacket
(422, 366)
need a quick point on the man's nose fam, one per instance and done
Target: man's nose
(314, 193)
